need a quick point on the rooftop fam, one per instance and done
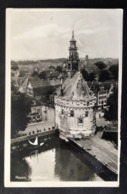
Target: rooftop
(38, 83)
(75, 88)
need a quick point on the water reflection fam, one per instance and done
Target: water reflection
(55, 161)
(70, 167)
(20, 169)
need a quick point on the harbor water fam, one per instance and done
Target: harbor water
(55, 160)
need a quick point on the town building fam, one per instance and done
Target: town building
(35, 114)
(41, 91)
(74, 108)
(74, 101)
(102, 91)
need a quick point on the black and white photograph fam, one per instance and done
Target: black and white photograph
(63, 97)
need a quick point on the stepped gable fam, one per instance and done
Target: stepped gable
(95, 86)
(76, 88)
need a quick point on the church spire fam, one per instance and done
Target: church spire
(72, 34)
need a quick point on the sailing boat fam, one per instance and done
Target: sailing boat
(36, 142)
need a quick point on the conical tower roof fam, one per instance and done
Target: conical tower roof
(76, 88)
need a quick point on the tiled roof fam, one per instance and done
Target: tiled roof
(76, 88)
(96, 86)
(38, 83)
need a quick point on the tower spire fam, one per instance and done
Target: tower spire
(72, 34)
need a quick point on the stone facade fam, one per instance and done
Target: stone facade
(102, 97)
(74, 109)
(75, 121)
(74, 101)
(102, 91)
(35, 114)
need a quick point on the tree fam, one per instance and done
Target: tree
(51, 67)
(14, 67)
(101, 65)
(20, 108)
(34, 74)
(64, 73)
(91, 77)
(43, 75)
(14, 89)
(104, 76)
(112, 113)
(84, 73)
(22, 74)
(59, 69)
(114, 70)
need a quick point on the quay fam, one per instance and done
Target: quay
(99, 152)
(50, 131)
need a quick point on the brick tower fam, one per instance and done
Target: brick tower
(73, 61)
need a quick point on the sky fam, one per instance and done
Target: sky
(36, 34)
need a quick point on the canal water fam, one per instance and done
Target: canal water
(56, 160)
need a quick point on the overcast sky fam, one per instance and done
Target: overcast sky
(45, 34)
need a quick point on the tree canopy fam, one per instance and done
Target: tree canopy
(34, 74)
(101, 65)
(104, 75)
(43, 75)
(20, 107)
(59, 69)
(14, 67)
(91, 76)
(112, 113)
(114, 70)
(87, 76)
(51, 67)
(84, 73)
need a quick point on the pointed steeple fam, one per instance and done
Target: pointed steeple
(72, 34)
(73, 39)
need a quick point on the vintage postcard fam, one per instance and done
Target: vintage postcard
(63, 97)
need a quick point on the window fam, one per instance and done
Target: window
(33, 110)
(87, 103)
(86, 114)
(38, 110)
(69, 66)
(102, 97)
(72, 113)
(80, 120)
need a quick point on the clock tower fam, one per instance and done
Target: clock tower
(73, 61)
